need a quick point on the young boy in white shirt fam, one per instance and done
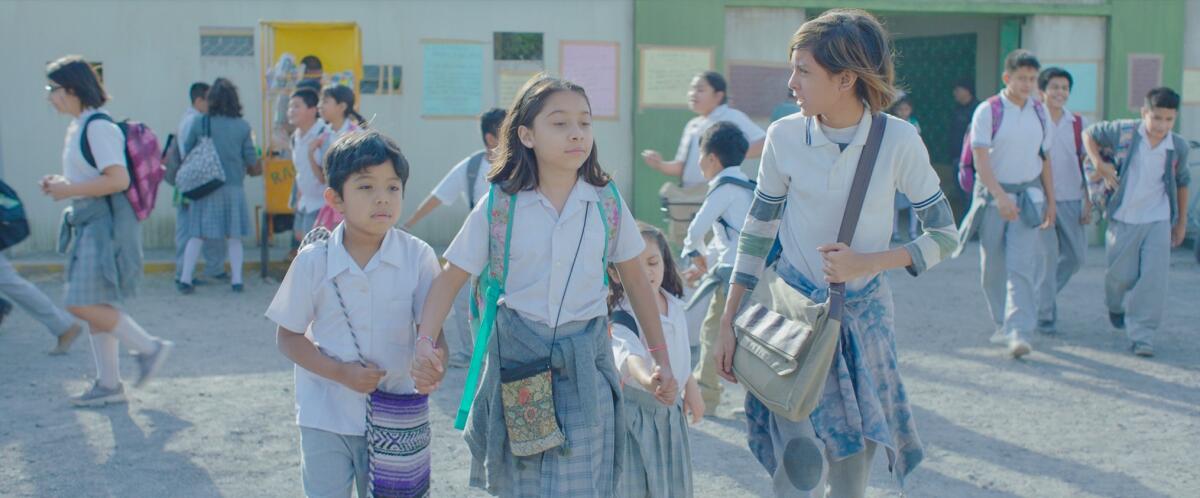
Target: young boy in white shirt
(1014, 199)
(347, 313)
(1145, 167)
(723, 147)
(309, 196)
(467, 179)
(1064, 247)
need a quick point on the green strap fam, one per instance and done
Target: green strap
(492, 291)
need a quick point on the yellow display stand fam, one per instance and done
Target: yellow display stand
(339, 47)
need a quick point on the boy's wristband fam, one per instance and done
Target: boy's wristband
(432, 343)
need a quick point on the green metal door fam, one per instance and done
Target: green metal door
(926, 69)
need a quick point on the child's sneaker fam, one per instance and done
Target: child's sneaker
(148, 364)
(65, 340)
(1142, 349)
(1017, 347)
(999, 337)
(1117, 320)
(99, 395)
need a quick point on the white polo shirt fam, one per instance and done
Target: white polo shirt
(104, 138)
(1145, 199)
(689, 143)
(312, 190)
(800, 162)
(730, 203)
(541, 248)
(454, 184)
(625, 343)
(1014, 150)
(384, 301)
(1064, 159)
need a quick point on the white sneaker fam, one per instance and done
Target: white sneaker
(99, 395)
(1017, 347)
(999, 337)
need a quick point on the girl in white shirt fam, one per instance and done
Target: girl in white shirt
(104, 251)
(842, 77)
(565, 223)
(658, 461)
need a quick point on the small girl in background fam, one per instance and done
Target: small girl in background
(658, 455)
(337, 109)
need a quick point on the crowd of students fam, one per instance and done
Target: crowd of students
(583, 369)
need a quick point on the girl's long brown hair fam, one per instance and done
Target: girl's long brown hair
(672, 282)
(516, 167)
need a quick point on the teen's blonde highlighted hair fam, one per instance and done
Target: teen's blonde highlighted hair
(852, 40)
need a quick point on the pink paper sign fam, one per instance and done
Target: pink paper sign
(596, 67)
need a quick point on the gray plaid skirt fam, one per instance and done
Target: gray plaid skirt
(104, 257)
(658, 455)
(219, 215)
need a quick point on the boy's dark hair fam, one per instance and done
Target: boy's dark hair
(198, 90)
(1054, 72)
(78, 78)
(311, 63)
(725, 140)
(1020, 58)
(359, 150)
(1162, 98)
(718, 84)
(306, 95)
(223, 99)
(490, 121)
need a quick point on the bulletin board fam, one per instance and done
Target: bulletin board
(665, 73)
(596, 66)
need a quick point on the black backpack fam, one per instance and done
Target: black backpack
(14, 227)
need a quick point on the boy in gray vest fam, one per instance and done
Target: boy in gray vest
(1140, 176)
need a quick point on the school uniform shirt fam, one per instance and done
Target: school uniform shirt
(454, 184)
(541, 248)
(312, 191)
(384, 301)
(104, 138)
(1014, 151)
(810, 174)
(1064, 159)
(730, 203)
(331, 135)
(689, 143)
(1145, 199)
(627, 343)
(185, 127)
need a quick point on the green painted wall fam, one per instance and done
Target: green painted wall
(696, 23)
(1139, 27)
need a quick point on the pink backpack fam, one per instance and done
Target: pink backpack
(142, 157)
(966, 159)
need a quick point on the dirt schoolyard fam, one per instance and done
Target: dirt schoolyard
(1079, 417)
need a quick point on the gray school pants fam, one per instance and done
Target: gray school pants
(1009, 255)
(805, 469)
(333, 464)
(213, 252)
(1063, 251)
(1136, 283)
(33, 300)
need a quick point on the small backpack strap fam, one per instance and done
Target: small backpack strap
(624, 319)
(86, 147)
(997, 107)
(1124, 144)
(472, 175)
(318, 234)
(1077, 126)
(501, 209)
(729, 180)
(610, 213)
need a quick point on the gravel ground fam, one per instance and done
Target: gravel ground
(1078, 417)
